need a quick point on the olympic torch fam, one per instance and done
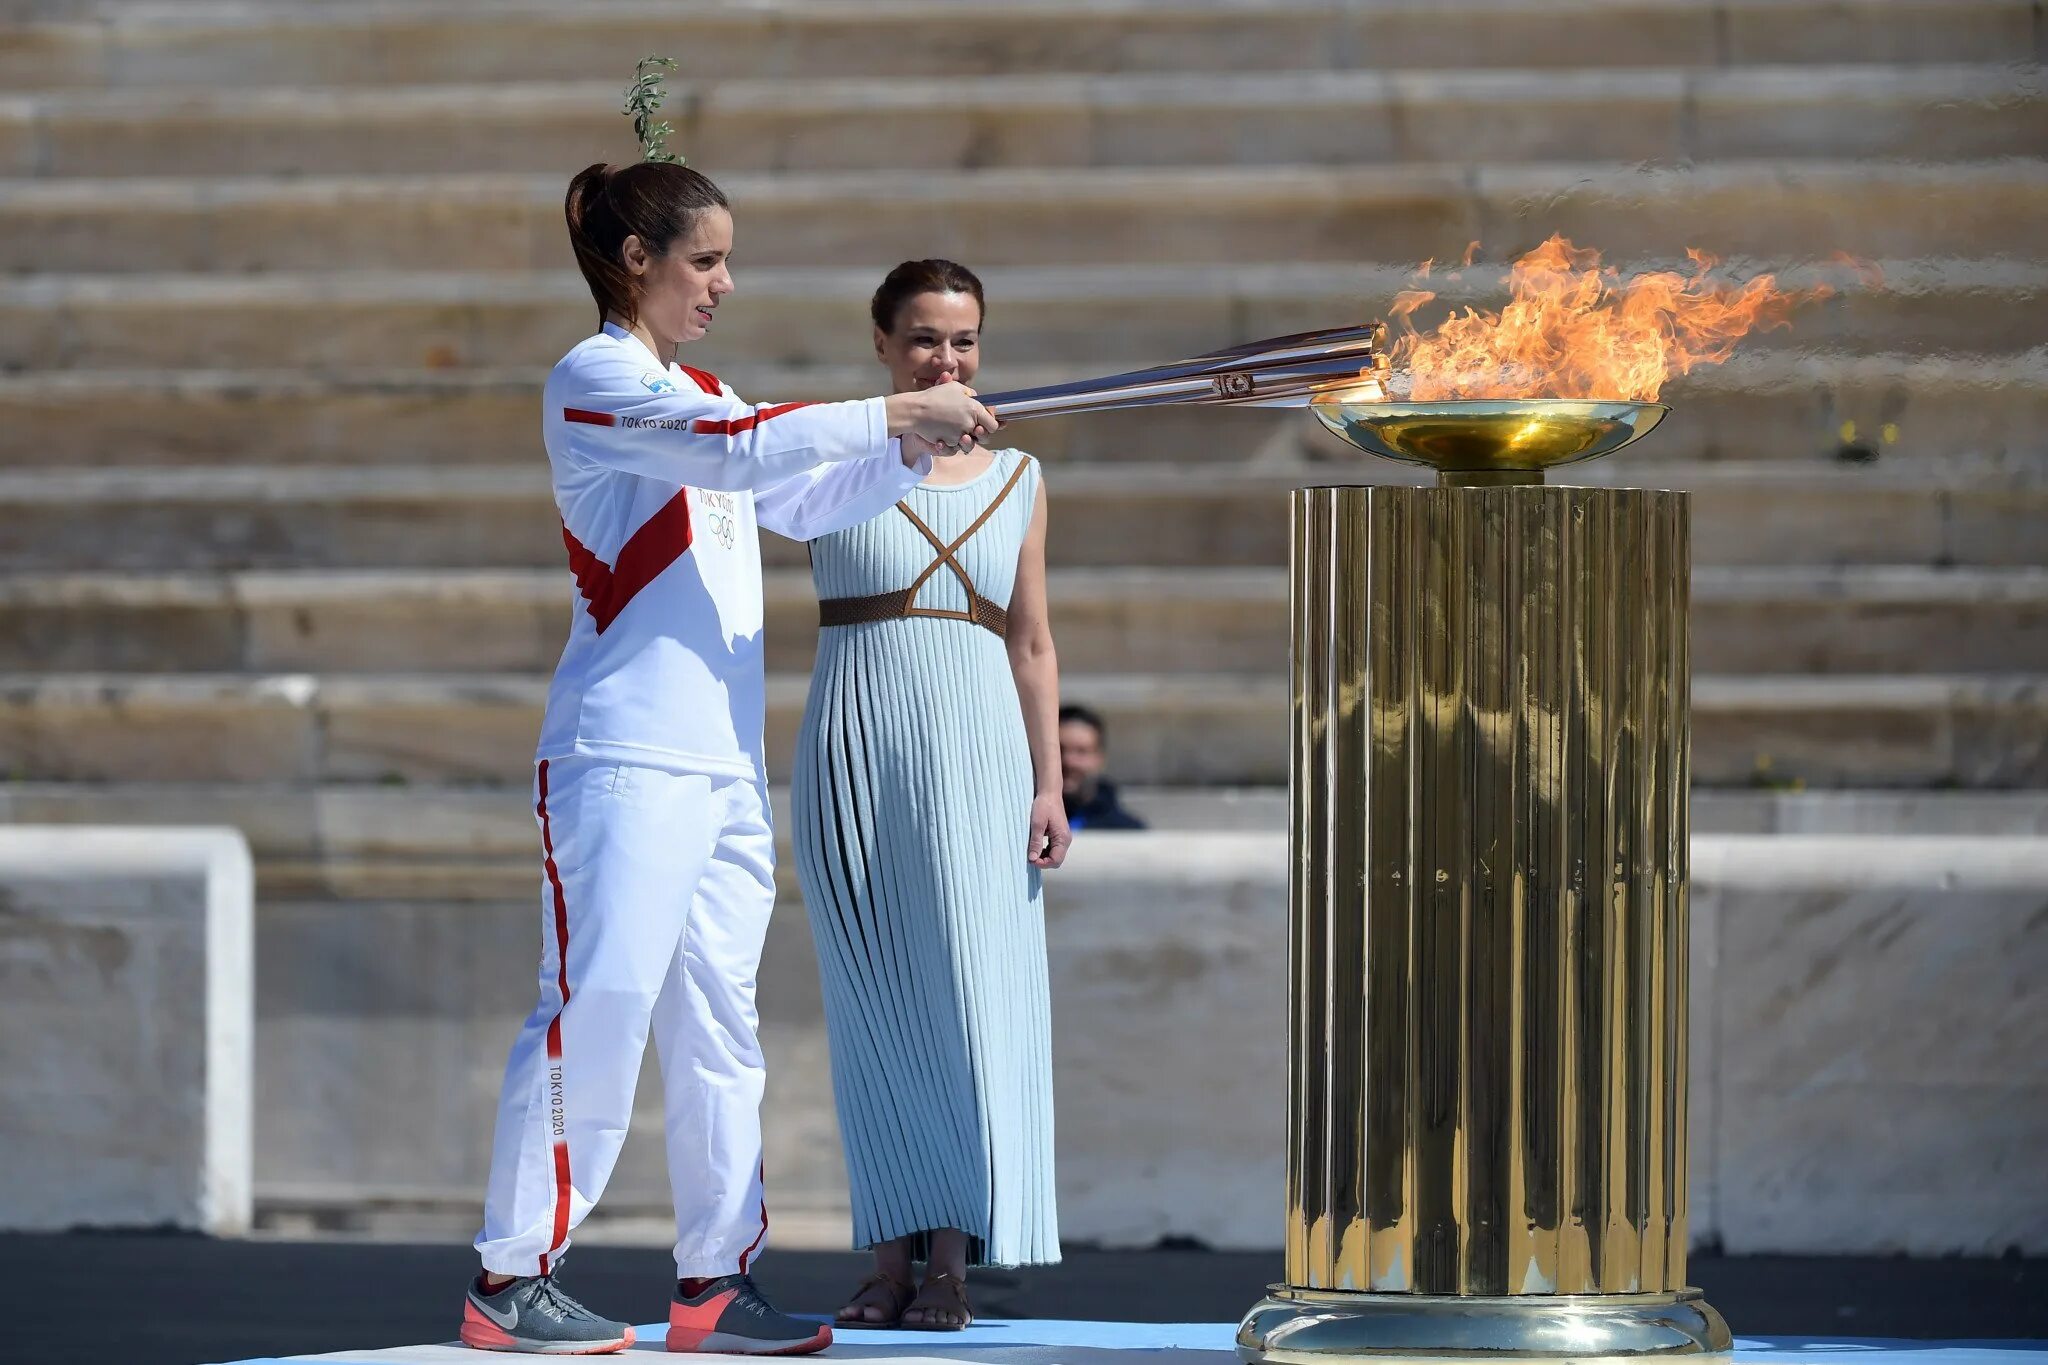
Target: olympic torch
(1279, 372)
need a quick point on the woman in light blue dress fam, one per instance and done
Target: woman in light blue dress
(927, 801)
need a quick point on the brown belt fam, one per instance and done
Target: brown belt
(892, 606)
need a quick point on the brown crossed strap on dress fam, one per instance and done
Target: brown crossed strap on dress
(889, 606)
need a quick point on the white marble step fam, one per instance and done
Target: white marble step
(1957, 410)
(58, 43)
(1219, 729)
(292, 828)
(1774, 211)
(165, 520)
(1337, 118)
(1866, 619)
(788, 318)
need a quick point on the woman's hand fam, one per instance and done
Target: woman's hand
(945, 414)
(1050, 836)
(916, 447)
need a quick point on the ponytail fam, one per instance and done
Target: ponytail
(656, 201)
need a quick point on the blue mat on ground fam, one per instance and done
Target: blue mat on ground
(1054, 1342)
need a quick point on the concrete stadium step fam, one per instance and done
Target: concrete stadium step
(360, 825)
(512, 875)
(465, 845)
(1203, 730)
(459, 845)
(1867, 619)
(1179, 118)
(428, 826)
(488, 517)
(1770, 406)
(1071, 315)
(212, 45)
(1772, 210)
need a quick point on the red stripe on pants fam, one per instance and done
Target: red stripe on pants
(762, 1236)
(558, 1116)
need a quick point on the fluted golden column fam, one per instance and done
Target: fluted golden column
(1487, 1108)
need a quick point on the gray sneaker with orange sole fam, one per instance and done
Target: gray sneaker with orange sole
(535, 1316)
(728, 1316)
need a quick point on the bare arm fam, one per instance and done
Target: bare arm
(1036, 669)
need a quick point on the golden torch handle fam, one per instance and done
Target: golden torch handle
(1289, 371)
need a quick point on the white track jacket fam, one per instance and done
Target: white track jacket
(661, 475)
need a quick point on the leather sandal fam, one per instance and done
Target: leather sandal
(949, 1287)
(900, 1296)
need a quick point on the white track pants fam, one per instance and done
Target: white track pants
(654, 908)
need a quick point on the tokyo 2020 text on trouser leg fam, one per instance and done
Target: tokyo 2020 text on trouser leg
(655, 900)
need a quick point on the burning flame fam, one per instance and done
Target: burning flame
(1575, 329)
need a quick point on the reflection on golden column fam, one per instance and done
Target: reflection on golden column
(1487, 1109)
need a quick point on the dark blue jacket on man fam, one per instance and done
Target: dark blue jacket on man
(1102, 810)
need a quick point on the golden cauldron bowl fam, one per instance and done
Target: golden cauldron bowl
(1490, 441)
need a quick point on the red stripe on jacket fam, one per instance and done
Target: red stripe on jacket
(665, 536)
(704, 379)
(661, 540)
(711, 426)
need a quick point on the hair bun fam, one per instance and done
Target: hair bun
(933, 276)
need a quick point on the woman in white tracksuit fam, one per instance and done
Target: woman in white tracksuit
(649, 791)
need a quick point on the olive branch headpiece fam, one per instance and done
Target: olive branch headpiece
(643, 97)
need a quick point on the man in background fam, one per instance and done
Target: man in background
(1091, 798)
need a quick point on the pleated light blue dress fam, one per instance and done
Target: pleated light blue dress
(911, 812)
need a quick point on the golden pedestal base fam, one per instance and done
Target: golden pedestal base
(1304, 1327)
(1487, 1107)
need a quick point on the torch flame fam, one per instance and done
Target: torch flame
(1575, 329)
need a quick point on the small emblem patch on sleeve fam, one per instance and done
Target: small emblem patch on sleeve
(657, 383)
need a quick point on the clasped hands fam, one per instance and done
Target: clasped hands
(942, 420)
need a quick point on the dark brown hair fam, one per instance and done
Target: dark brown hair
(1073, 713)
(912, 278)
(656, 201)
